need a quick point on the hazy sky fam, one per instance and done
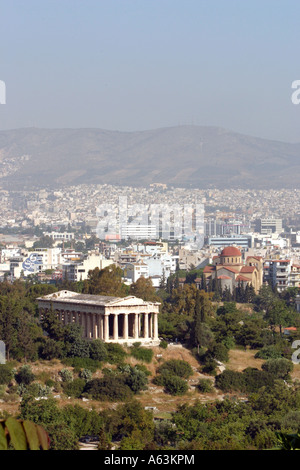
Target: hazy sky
(141, 64)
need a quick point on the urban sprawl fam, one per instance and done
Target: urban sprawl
(51, 234)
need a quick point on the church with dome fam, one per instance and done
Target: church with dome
(231, 270)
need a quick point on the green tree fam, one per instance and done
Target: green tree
(52, 325)
(107, 281)
(82, 421)
(61, 437)
(201, 334)
(44, 412)
(280, 367)
(28, 337)
(10, 312)
(143, 289)
(104, 441)
(175, 385)
(25, 375)
(132, 418)
(43, 242)
(6, 374)
(108, 388)
(279, 315)
(176, 367)
(98, 351)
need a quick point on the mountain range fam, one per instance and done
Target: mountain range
(181, 156)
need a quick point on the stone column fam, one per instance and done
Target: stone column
(151, 325)
(88, 325)
(94, 325)
(84, 320)
(106, 328)
(83, 323)
(155, 326)
(116, 328)
(146, 325)
(125, 326)
(136, 326)
(101, 326)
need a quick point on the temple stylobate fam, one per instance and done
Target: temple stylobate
(111, 319)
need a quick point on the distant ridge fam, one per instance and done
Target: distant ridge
(183, 156)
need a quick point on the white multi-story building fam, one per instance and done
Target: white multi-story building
(60, 236)
(155, 255)
(138, 232)
(295, 276)
(133, 271)
(40, 260)
(75, 271)
(278, 273)
(161, 265)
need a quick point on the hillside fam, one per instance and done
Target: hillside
(154, 397)
(186, 156)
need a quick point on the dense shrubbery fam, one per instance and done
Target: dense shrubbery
(116, 385)
(251, 379)
(205, 386)
(172, 376)
(74, 388)
(24, 375)
(280, 368)
(265, 421)
(108, 388)
(248, 381)
(116, 354)
(176, 367)
(268, 352)
(142, 354)
(6, 374)
(175, 385)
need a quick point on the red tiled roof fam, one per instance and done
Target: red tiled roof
(242, 278)
(248, 269)
(208, 269)
(231, 251)
(224, 277)
(229, 268)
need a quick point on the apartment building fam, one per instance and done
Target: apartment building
(278, 273)
(75, 271)
(133, 271)
(295, 276)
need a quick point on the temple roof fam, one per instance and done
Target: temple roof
(88, 299)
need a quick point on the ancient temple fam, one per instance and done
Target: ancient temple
(111, 319)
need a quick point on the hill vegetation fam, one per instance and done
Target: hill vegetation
(222, 377)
